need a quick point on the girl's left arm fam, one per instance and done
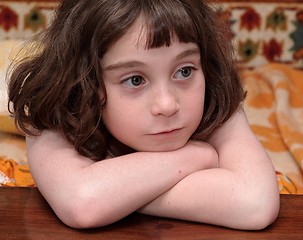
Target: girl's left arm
(241, 193)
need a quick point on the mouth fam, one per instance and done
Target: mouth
(167, 132)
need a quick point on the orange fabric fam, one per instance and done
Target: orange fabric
(274, 107)
(13, 174)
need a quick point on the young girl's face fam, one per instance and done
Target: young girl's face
(155, 97)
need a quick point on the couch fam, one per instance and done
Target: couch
(268, 41)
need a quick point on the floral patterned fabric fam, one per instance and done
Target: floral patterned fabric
(261, 31)
(274, 107)
(23, 19)
(14, 169)
(13, 174)
(264, 32)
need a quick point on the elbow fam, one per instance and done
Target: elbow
(79, 217)
(262, 211)
(84, 211)
(263, 217)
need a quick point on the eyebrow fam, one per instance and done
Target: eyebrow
(131, 64)
(122, 64)
(189, 52)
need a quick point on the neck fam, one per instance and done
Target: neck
(116, 148)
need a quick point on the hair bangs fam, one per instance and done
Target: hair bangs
(164, 24)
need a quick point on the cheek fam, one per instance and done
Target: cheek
(113, 111)
(119, 115)
(195, 104)
(195, 110)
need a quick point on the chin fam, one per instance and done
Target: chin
(168, 147)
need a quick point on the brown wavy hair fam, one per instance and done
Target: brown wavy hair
(61, 87)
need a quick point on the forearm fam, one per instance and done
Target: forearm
(84, 193)
(220, 197)
(120, 186)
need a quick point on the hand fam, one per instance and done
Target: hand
(201, 152)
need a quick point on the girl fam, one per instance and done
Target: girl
(149, 88)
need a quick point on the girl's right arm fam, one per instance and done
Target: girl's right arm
(84, 193)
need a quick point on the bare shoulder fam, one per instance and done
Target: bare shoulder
(236, 144)
(235, 130)
(51, 152)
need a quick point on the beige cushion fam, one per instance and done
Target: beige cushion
(9, 50)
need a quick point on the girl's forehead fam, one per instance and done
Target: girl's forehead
(134, 45)
(141, 32)
(148, 31)
(138, 31)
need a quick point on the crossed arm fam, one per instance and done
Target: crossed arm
(228, 181)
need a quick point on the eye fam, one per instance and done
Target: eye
(184, 73)
(133, 81)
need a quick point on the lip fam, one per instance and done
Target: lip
(167, 132)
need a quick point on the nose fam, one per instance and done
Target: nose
(165, 102)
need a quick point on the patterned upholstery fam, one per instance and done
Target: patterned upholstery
(262, 31)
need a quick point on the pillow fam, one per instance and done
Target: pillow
(9, 50)
(14, 169)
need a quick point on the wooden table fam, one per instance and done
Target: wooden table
(24, 214)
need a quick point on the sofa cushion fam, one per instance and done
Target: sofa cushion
(9, 49)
